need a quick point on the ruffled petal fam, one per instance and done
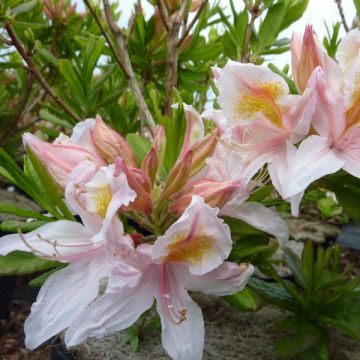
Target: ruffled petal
(62, 298)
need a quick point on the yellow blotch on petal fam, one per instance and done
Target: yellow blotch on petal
(353, 112)
(100, 200)
(262, 98)
(192, 249)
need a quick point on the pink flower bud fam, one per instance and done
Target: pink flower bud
(111, 144)
(202, 150)
(150, 165)
(59, 159)
(215, 194)
(153, 161)
(305, 57)
(178, 176)
(138, 181)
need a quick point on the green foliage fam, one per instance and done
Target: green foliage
(347, 190)
(70, 51)
(321, 296)
(332, 41)
(22, 263)
(246, 300)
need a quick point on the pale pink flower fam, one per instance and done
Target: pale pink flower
(189, 256)
(61, 157)
(336, 121)
(261, 119)
(69, 291)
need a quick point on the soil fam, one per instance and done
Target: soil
(229, 335)
(12, 335)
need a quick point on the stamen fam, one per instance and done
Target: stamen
(176, 316)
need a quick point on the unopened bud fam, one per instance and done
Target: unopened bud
(111, 144)
(178, 176)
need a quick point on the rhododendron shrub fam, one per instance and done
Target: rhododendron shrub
(149, 190)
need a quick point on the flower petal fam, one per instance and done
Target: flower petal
(56, 240)
(247, 89)
(313, 159)
(199, 239)
(63, 296)
(183, 340)
(226, 279)
(260, 217)
(112, 312)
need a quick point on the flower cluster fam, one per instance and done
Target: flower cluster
(144, 235)
(301, 137)
(152, 234)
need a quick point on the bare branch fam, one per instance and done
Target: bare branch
(31, 67)
(172, 53)
(255, 12)
(123, 59)
(342, 15)
(193, 21)
(164, 14)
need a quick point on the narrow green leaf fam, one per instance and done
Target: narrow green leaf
(39, 281)
(247, 300)
(270, 27)
(140, 146)
(22, 263)
(12, 226)
(18, 211)
(24, 7)
(46, 115)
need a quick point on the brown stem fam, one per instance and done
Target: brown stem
(164, 14)
(193, 21)
(31, 67)
(342, 15)
(171, 72)
(245, 53)
(123, 58)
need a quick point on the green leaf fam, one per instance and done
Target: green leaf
(15, 210)
(273, 293)
(306, 336)
(292, 87)
(294, 12)
(24, 7)
(357, 6)
(46, 115)
(39, 281)
(134, 343)
(247, 300)
(347, 319)
(51, 189)
(22, 263)
(73, 80)
(12, 226)
(271, 25)
(261, 194)
(294, 263)
(140, 146)
(347, 191)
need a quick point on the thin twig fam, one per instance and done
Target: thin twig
(31, 67)
(342, 15)
(107, 38)
(164, 14)
(193, 21)
(123, 59)
(245, 53)
(172, 52)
